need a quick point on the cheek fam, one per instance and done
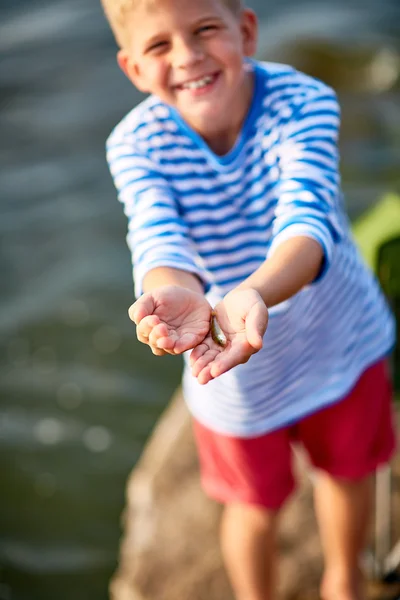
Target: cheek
(160, 75)
(230, 55)
(154, 73)
(234, 64)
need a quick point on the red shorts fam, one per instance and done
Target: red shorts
(349, 440)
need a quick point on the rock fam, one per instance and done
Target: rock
(170, 548)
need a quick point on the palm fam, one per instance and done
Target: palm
(243, 318)
(172, 319)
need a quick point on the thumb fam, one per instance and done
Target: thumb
(143, 307)
(256, 325)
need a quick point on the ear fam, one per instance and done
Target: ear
(249, 30)
(131, 70)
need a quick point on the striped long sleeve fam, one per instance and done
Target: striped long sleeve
(309, 194)
(157, 233)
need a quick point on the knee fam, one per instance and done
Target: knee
(248, 523)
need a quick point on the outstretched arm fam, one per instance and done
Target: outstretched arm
(173, 316)
(171, 313)
(294, 264)
(243, 313)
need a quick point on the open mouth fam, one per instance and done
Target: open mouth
(200, 84)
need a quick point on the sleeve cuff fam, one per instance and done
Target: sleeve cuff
(316, 232)
(139, 272)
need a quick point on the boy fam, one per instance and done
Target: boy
(229, 178)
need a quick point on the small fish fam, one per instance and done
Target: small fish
(216, 332)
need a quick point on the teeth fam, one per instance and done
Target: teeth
(199, 83)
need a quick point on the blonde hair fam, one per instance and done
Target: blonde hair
(116, 12)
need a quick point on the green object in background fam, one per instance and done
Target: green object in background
(388, 268)
(378, 236)
(376, 227)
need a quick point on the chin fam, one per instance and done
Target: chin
(205, 119)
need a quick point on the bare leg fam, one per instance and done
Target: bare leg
(248, 547)
(343, 510)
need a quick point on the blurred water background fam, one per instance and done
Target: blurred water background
(78, 395)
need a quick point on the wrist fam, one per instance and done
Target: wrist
(249, 290)
(166, 276)
(293, 265)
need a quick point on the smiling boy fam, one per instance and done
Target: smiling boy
(212, 92)
(229, 177)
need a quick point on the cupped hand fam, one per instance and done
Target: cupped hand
(171, 319)
(243, 317)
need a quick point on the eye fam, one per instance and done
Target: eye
(157, 47)
(206, 29)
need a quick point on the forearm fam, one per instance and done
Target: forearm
(161, 276)
(294, 264)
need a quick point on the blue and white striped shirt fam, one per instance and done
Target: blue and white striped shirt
(220, 217)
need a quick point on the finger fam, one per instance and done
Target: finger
(158, 351)
(256, 325)
(197, 353)
(225, 361)
(145, 327)
(201, 363)
(186, 342)
(204, 351)
(205, 375)
(160, 332)
(166, 343)
(143, 307)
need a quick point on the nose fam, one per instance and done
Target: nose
(187, 52)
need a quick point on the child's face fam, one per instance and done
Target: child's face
(190, 54)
